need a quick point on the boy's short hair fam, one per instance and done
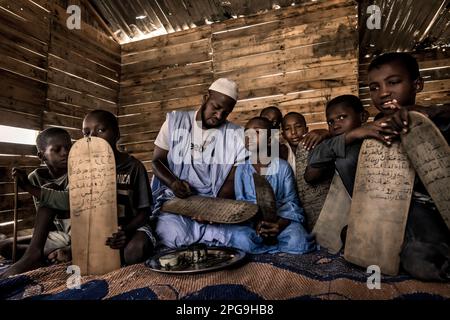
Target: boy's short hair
(107, 116)
(43, 137)
(349, 100)
(293, 113)
(271, 108)
(265, 121)
(406, 59)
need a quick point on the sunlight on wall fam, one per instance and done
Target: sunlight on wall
(17, 135)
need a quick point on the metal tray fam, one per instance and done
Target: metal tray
(217, 258)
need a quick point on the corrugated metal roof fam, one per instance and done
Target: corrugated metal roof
(405, 25)
(139, 19)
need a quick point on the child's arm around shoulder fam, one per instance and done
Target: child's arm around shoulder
(374, 130)
(321, 159)
(314, 138)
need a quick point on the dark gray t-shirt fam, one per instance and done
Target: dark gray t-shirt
(333, 154)
(325, 153)
(133, 189)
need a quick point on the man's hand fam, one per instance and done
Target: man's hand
(314, 137)
(118, 240)
(181, 189)
(200, 220)
(271, 229)
(22, 178)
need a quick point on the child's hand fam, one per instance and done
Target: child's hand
(22, 178)
(375, 130)
(392, 104)
(271, 229)
(314, 137)
(118, 240)
(181, 189)
(398, 121)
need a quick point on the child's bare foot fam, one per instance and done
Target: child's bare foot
(60, 255)
(26, 263)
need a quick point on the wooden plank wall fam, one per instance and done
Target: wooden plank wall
(50, 76)
(159, 75)
(15, 155)
(434, 68)
(296, 58)
(24, 36)
(83, 74)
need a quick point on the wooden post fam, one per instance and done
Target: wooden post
(14, 249)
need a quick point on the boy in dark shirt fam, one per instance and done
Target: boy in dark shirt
(134, 201)
(345, 116)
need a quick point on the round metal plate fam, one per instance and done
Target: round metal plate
(217, 258)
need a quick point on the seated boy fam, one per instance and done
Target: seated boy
(48, 185)
(345, 116)
(295, 132)
(274, 115)
(289, 231)
(394, 81)
(135, 237)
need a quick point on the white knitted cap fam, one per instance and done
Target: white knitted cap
(225, 86)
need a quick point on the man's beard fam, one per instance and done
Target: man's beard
(204, 123)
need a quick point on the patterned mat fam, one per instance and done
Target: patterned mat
(314, 276)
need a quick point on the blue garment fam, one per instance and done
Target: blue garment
(176, 231)
(294, 238)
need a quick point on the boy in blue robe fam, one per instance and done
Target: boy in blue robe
(288, 229)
